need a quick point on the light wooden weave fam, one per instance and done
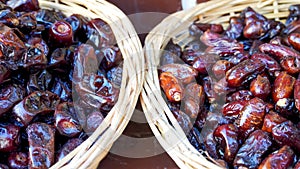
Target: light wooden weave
(94, 149)
(160, 118)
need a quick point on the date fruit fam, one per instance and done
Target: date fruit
(41, 145)
(251, 153)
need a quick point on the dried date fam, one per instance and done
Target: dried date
(171, 86)
(244, 72)
(68, 121)
(271, 120)
(260, 87)
(182, 72)
(69, 146)
(283, 86)
(18, 160)
(251, 153)
(41, 145)
(287, 133)
(36, 103)
(281, 159)
(9, 137)
(251, 117)
(227, 136)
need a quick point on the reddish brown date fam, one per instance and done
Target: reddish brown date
(227, 136)
(18, 160)
(171, 86)
(233, 109)
(260, 87)
(85, 61)
(283, 86)
(286, 108)
(41, 145)
(297, 94)
(97, 91)
(287, 133)
(9, 96)
(271, 64)
(291, 64)
(38, 102)
(251, 153)
(195, 91)
(240, 95)
(235, 28)
(69, 146)
(9, 137)
(244, 72)
(251, 117)
(278, 51)
(294, 40)
(220, 68)
(182, 72)
(271, 120)
(281, 159)
(68, 121)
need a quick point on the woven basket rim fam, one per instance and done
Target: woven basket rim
(95, 148)
(161, 121)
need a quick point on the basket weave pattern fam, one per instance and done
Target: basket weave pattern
(161, 120)
(94, 149)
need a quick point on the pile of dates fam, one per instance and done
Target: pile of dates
(59, 77)
(236, 91)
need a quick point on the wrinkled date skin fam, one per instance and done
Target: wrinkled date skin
(9, 96)
(297, 94)
(97, 91)
(271, 64)
(184, 73)
(235, 28)
(260, 87)
(68, 121)
(68, 147)
(220, 68)
(9, 137)
(233, 109)
(41, 145)
(271, 120)
(36, 103)
(281, 159)
(240, 95)
(278, 51)
(252, 116)
(287, 133)
(171, 86)
(244, 72)
(251, 152)
(283, 86)
(18, 160)
(85, 61)
(227, 136)
(291, 64)
(11, 47)
(294, 40)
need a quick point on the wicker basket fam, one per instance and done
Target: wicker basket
(94, 149)
(160, 118)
